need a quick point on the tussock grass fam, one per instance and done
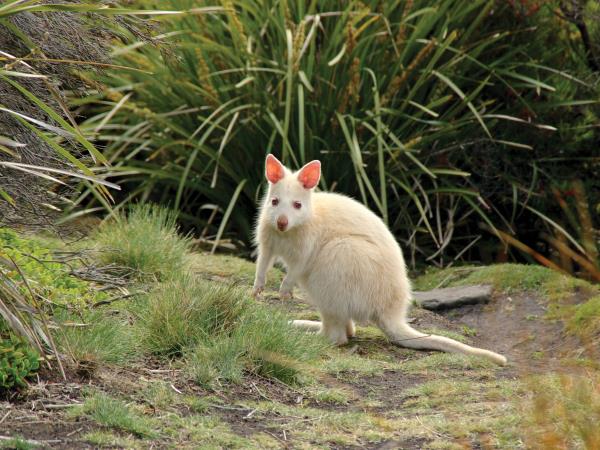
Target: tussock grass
(103, 339)
(114, 413)
(221, 332)
(146, 240)
(184, 311)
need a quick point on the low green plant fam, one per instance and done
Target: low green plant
(18, 443)
(145, 240)
(585, 320)
(115, 413)
(17, 362)
(98, 337)
(50, 278)
(506, 278)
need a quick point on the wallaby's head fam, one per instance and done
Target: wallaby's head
(288, 202)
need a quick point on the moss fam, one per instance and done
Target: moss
(585, 321)
(507, 278)
(232, 269)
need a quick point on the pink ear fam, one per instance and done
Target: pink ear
(309, 175)
(273, 169)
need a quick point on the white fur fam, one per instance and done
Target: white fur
(348, 263)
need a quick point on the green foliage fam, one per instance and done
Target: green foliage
(221, 332)
(146, 240)
(407, 103)
(51, 279)
(17, 361)
(114, 413)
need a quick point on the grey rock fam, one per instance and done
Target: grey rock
(453, 297)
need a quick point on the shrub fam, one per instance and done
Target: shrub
(51, 278)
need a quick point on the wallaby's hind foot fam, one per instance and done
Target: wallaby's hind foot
(403, 335)
(350, 329)
(309, 325)
(335, 330)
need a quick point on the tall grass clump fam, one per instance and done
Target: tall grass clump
(186, 310)
(422, 110)
(102, 338)
(221, 333)
(145, 240)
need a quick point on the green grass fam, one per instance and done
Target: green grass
(585, 319)
(100, 438)
(334, 396)
(116, 414)
(146, 241)
(564, 411)
(444, 363)
(186, 310)
(231, 269)
(103, 338)
(221, 331)
(18, 443)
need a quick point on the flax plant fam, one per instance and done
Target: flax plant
(384, 93)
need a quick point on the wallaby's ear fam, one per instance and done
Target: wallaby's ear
(309, 175)
(273, 169)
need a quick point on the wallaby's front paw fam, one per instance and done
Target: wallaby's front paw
(285, 294)
(257, 290)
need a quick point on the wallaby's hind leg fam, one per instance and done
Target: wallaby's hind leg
(336, 330)
(350, 329)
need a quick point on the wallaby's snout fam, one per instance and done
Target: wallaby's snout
(282, 223)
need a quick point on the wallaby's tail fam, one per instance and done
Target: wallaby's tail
(402, 334)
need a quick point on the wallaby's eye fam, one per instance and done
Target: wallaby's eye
(297, 205)
(275, 202)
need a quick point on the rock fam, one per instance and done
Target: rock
(453, 297)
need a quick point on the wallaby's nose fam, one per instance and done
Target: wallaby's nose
(282, 223)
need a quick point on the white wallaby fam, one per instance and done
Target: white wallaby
(343, 256)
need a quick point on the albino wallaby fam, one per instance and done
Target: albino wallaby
(343, 256)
